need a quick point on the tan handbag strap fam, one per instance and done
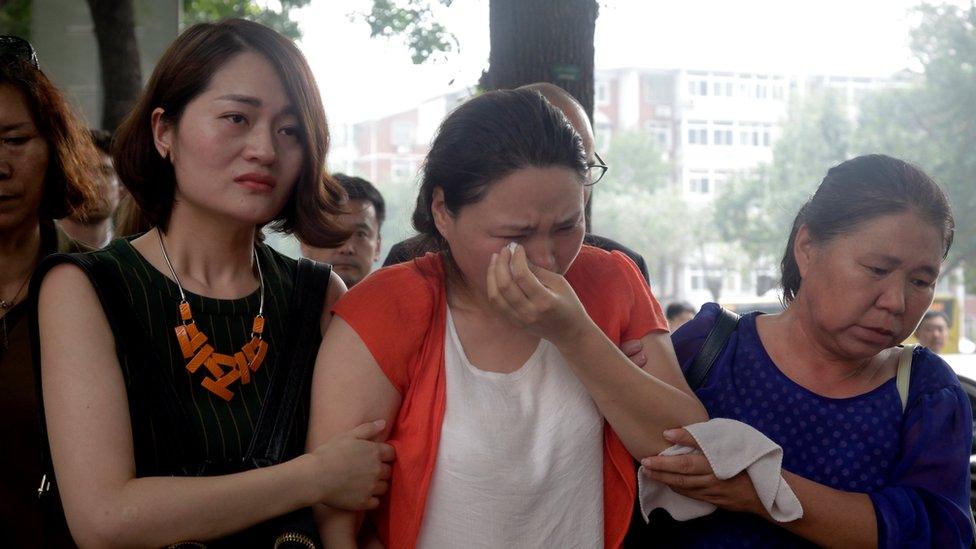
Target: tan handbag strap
(904, 373)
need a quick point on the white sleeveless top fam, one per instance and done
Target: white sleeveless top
(520, 460)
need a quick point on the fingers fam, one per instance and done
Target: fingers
(385, 472)
(634, 350)
(367, 431)
(682, 437)
(380, 487)
(684, 482)
(386, 452)
(686, 464)
(508, 288)
(631, 347)
(502, 292)
(524, 275)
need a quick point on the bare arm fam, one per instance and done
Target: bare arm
(640, 404)
(91, 444)
(831, 517)
(348, 388)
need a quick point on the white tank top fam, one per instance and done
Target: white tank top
(520, 460)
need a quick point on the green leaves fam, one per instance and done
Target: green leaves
(200, 11)
(414, 21)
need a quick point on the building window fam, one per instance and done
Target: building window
(699, 184)
(401, 170)
(401, 134)
(698, 87)
(722, 137)
(661, 134)
(722, 88)
(602, 93)
(696, 282)
(761, 91)
(697, 136)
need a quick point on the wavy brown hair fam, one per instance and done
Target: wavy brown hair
(182, 74)
(73, 165)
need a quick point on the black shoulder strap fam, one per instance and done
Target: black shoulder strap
(293, 372)
(725, 323)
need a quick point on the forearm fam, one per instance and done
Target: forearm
(158, 511)
(337, 528)
(639, 406)
(832, 518)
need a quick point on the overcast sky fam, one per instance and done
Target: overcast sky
(363, 78)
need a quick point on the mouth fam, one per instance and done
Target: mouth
(256, 182)
(875, 334)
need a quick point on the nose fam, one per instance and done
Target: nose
(892, 298)
(260, 146)
(347, 248)
(542, 253)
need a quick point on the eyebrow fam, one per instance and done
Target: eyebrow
(17, 126)
(891, 260)
(255, 102)
(528, 227)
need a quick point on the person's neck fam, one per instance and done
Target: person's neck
(94, 235)
(802, 352)
(212, 256)
(19, 251)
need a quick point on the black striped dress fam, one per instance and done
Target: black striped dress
(179, 427)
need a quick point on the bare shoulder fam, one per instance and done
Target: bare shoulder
(335, 290)
(66, 286)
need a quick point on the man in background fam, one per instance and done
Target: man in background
(678, 313)
(355, 258)
(933, 331)
(97, 229)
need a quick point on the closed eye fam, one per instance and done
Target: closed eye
(877, 271)
(18, 140)
(923, 284)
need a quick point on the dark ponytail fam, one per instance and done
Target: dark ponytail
(486, 139)
(857, 191)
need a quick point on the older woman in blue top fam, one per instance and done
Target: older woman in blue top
(859, 272)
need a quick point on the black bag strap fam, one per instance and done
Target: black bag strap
(725, 323)
(292, 374)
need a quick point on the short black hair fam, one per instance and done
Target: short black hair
(677, 308)
(358, 188)
(929, 315)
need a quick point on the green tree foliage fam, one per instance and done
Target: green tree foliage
(15, 18)
(413, 20)
(200, 11)
(757, 209)
(634, 204)
(636, 164)
(931, 121)
(928, 118)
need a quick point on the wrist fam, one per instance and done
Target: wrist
(577, 336)
(303, 476)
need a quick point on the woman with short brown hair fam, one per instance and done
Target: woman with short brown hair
(174, 370)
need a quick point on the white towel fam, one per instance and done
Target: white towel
(730, 447)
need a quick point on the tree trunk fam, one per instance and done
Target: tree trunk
(118, 55)
(543, 41)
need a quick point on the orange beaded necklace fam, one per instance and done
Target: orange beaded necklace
(225, 369)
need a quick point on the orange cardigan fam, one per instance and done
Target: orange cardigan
(400, 314)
